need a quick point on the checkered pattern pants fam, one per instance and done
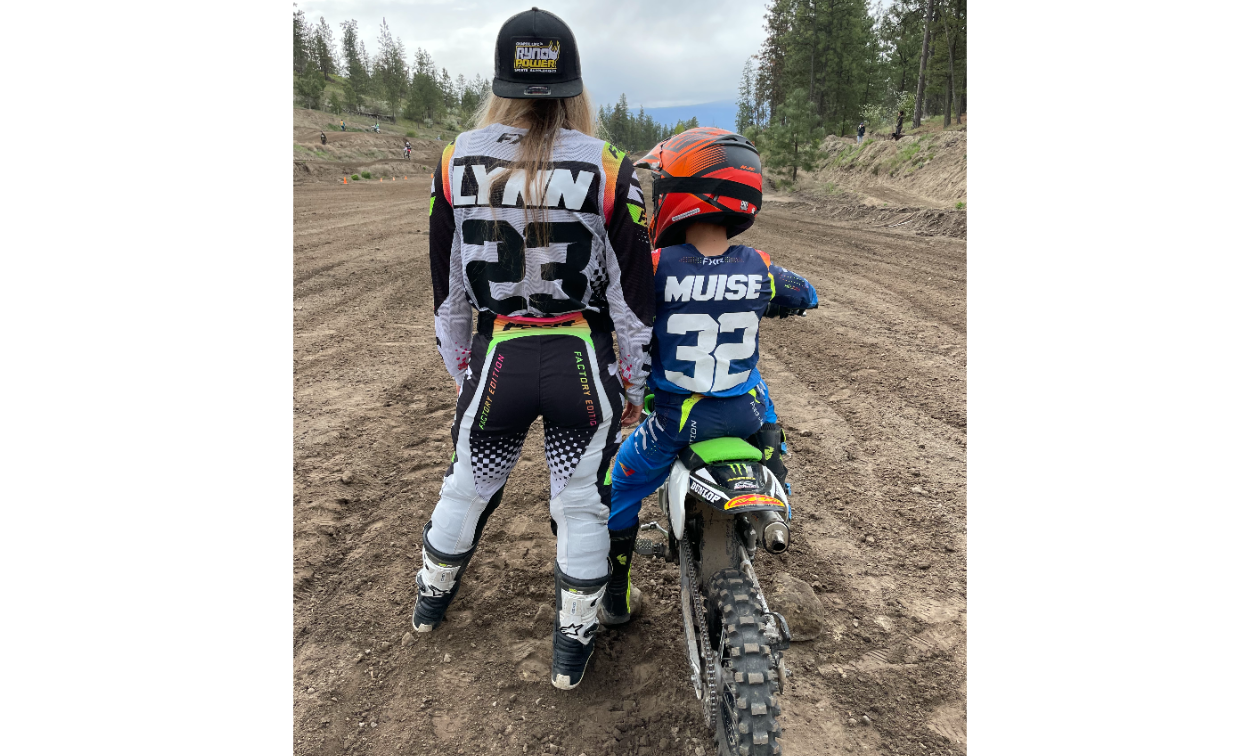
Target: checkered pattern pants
(570, 380)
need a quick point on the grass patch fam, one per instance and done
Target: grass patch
(411, 133)
(902, 159)
(849, 154)
(960, 205)
(354, 177)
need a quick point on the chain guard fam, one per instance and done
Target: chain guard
(708, 687)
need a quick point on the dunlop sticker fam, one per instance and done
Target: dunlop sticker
(705, 493)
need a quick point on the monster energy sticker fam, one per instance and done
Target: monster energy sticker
(536, 56)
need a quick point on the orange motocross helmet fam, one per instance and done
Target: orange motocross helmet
(706, 174)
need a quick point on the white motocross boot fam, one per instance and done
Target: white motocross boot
(573, 634)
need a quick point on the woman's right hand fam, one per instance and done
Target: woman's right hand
(631, 414)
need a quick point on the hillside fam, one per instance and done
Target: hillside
(918, 183)
(926, 171)
(357, 150)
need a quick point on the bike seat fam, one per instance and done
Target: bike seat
(726, 449)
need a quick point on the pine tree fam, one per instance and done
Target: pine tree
(827, 47)
(901, 36)
(310, 86)
(301, 41)
(746, 116)
(448, 89)
(923, 58)
(424, 98)
(326, 49)
(389, 70)
(356, 64)
(791, 143)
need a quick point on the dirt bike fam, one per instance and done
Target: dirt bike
(721, 504)
(407, 153)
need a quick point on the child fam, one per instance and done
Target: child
(710, 298)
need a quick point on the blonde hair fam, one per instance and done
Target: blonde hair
(543, 119)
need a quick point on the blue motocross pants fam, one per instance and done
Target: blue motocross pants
(677, 420)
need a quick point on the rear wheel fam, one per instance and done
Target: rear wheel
(749, 706)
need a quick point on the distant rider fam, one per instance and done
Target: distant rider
(408, 148)
(322, 139)
(710, 298)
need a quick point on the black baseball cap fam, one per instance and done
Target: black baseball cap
(536, 56)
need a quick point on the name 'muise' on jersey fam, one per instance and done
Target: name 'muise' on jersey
(708, 312)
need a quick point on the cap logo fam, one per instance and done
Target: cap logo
(536, 55)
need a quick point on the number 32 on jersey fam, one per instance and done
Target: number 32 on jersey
(712, 362)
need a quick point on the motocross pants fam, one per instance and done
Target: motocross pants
(564, 370)
(677, 420)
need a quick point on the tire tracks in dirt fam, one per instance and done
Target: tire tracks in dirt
(871, 386)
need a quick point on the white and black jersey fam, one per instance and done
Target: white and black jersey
(585, 251)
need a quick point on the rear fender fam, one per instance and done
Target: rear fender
(682, 482)
(676, 497)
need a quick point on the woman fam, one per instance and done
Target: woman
(539, 226)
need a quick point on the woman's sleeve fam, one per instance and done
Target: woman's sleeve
(631, 292)
(452, 312)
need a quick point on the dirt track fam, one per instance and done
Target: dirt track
(871, 388)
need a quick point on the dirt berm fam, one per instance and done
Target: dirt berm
(871, 388)
(349, 152)
(917, 184)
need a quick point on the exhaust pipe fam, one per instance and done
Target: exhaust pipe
(774, 532)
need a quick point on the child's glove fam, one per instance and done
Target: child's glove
(783, 312)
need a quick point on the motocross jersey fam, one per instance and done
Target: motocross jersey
(586, 250)
(708, 310)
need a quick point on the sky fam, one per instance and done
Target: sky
(660, 53)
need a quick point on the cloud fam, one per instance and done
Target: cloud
(658, 52)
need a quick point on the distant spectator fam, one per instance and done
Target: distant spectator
(901, 115)
(861, 131)
(343, 124)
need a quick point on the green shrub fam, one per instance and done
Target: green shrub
(367, 175)
(960, 206)
(411, 133)
(354, 177)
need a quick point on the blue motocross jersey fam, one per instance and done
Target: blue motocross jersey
(708, 309)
